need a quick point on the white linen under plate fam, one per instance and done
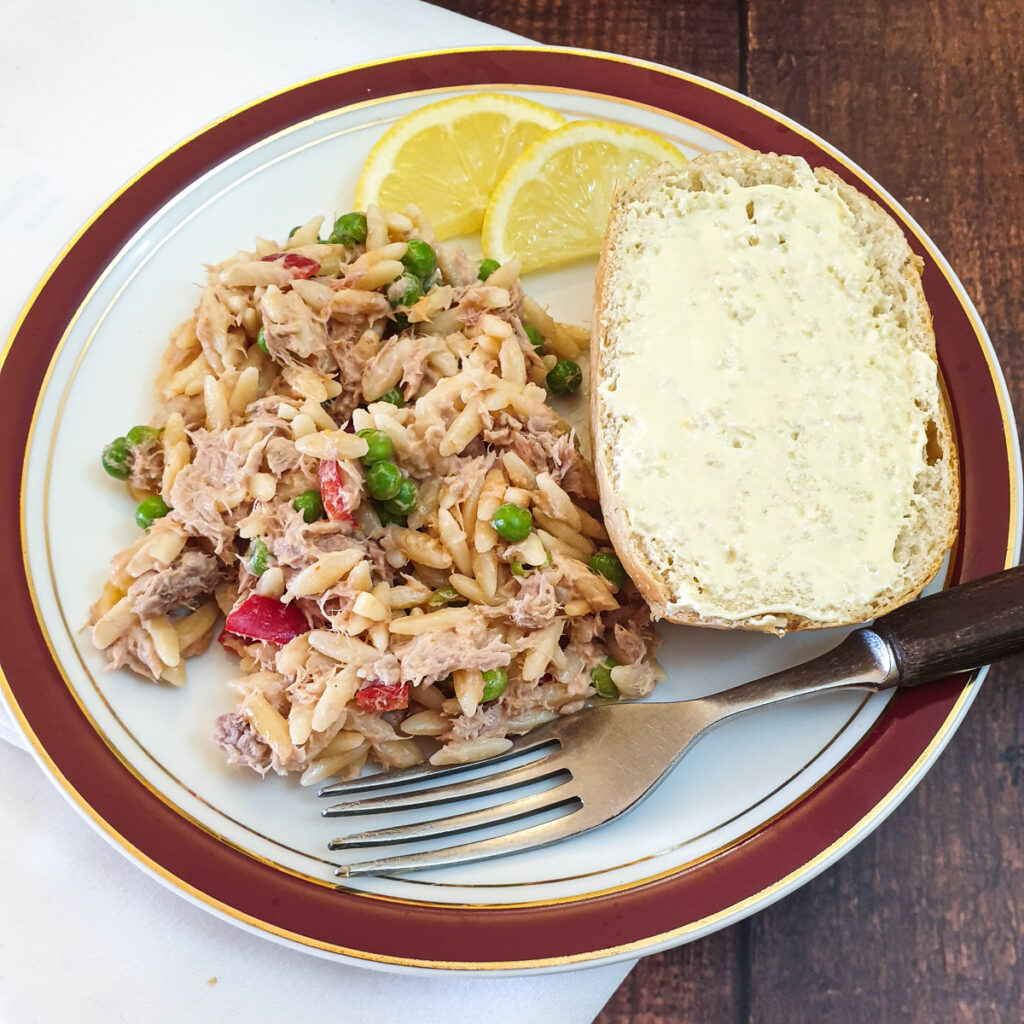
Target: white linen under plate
(86, 935)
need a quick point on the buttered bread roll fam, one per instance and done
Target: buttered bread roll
(770, 439)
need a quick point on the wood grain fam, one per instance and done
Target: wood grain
(703, 983)
(701, 36)
(923, 923)
(957, 630)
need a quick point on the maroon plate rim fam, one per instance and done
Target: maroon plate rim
(629, 920)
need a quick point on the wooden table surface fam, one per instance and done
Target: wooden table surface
(924, 921)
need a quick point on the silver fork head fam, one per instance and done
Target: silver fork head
(603, 761)
(613, 756)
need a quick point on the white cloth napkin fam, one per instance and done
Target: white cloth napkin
(93, 92)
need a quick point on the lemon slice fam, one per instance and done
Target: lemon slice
(552, 205)
(448, 156)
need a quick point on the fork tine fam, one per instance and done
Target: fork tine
(438, 828)
(525, 839)
(387, 779)
(535, 771)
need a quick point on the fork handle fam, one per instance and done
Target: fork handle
(958, 629)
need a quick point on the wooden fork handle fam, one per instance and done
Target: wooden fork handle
(957, 629)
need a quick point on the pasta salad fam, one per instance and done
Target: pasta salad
(355, 461)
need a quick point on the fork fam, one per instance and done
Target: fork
(605, 759)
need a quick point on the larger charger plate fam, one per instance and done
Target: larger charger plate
(756, 809)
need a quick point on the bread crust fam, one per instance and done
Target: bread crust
(750, 167)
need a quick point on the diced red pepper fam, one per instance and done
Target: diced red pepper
(263, 618)
(383, 696)
(332, 492)
(299, 265)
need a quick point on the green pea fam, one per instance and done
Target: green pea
(536, 338)
(257, 558)
(564, 377)
(117, 458)
(141, 435)
(349, 230)
(392, 396)
(406, 290)
(487, 267)
(261, 341)
(378, 445)
(150, 509)
(383, 480)
(420, 258)
(601, 678)
(607, 564)
(446, 596)
(512, 522)
(293, 230)
(387, 518)
(516, 568)
(405, 500)
(495, 681)
(310, 504)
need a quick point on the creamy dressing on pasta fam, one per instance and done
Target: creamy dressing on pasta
(768, 437)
